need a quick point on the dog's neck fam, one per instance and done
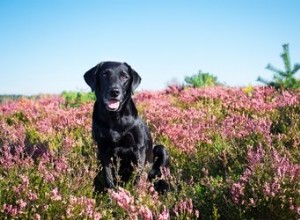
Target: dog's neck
(113, 125)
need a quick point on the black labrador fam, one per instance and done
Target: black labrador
(123, 138)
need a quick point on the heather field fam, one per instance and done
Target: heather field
(234, 155)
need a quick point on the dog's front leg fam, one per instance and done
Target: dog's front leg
(141, 157)
(139, 150)
(140, 162)
(108, 177)
(107, 168)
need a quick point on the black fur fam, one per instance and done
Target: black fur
(123, 138)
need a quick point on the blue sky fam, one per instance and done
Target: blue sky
(46, 46)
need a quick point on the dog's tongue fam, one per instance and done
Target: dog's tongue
(113, 104)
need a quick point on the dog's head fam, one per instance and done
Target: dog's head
(113, 83)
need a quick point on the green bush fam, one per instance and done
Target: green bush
(202, 80)
(76, 99)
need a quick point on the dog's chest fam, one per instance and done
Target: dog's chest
(115, 133)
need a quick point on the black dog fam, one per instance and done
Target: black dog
(122, 137)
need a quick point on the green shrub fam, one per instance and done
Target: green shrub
(76, 99)
(202, 80)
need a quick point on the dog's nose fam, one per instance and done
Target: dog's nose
(114, 92)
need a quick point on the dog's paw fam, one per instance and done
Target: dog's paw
(161, 186)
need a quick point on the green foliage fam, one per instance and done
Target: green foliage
(18, 117)
(202, 80)
(76, 99)
(283, 79)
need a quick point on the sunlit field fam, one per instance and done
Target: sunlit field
(234, 155)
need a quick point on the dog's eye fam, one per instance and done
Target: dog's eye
(105, 74)
(124, 76)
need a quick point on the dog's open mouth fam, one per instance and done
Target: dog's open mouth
(113, 105)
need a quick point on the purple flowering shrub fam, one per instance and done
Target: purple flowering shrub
(238, 150)
(47, 160)
(48, 163)
(234, 155)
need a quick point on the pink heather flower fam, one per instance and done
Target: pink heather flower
(25, 181)
(246, 175)
(70, 211)
(45, 170)
(145, 213)
(61, 165)
(184, 206)
(275, 186)
(68, 142)
(126, 201)
(123, 198)
(37, 217)
(97, 216)
(86, 205)
(154, 194)
(251, 201)
(267, 189)
(17, 190)
(291, 201)
(8, 158)
(21, 203)
(10, 209)
(143, 184)
(166, 173)
(256, 156)
(237, 192)
(164, 215)
(55, 195)
(197, 214)
(32, 196)
(89, 205)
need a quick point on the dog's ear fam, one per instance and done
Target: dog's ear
(136, 79)
(90, 76)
